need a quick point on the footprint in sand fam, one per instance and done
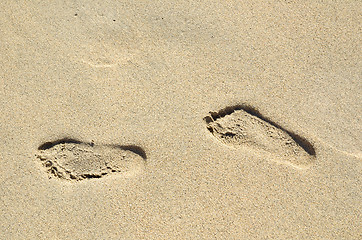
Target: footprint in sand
(243, 126)
(73, 160)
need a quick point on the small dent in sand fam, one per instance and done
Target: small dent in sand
(244, 126)
(100, 63)
(73, 160)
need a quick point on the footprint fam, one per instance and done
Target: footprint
(107, 54)
(73, 160)
(243, 126)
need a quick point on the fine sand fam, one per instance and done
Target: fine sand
(180, 120)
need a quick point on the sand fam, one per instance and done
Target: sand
(142, 76)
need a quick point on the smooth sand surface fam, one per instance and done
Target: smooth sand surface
(146, 74)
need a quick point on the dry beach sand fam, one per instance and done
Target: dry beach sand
(180, 120)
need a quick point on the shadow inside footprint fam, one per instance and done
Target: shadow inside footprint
(71, 159)
(242, 125)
